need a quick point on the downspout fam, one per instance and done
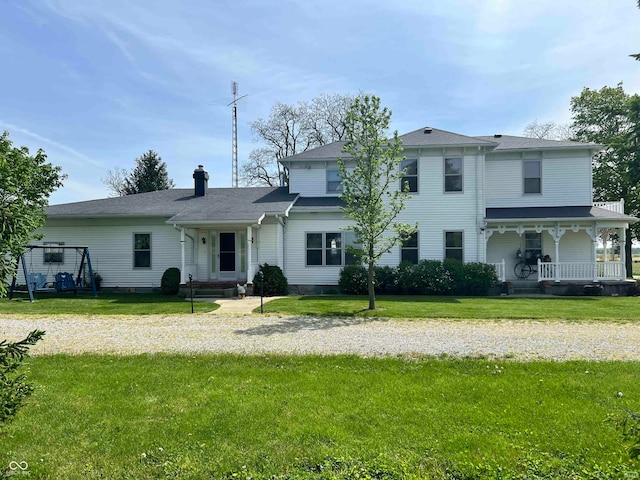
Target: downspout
(283, 223)
(480, 244)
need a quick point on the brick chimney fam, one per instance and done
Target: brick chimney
(201, 180)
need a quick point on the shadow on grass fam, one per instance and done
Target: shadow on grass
(385, 298)
(126, 298)
(294, 325)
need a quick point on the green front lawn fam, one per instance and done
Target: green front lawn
(105, 304)
(210, 416)
(616, 309)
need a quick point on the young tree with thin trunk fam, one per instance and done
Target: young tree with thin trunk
(371, 177)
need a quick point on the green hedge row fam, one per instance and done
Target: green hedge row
(427, 277)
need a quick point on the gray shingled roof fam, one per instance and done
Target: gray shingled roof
(441, 138)
(330, 150)
(510, 142)
(179, 205)
(569, 212)
(322, 202)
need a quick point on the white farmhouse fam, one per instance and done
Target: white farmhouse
(494, 199)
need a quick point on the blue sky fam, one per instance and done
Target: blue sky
(97, 83)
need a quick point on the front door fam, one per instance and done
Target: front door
(227, 256)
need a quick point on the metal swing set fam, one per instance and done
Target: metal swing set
(62, 281)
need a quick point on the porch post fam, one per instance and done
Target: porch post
(595, 260)
(622, 239)
(183, 274)
(249, 260)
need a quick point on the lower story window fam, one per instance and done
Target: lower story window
(409, 249)
(141, 250)
(53, 254)
(328, 249)
(453, 246)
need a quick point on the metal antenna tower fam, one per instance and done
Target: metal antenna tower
(234, 134)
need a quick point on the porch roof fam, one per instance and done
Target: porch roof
(563, 213)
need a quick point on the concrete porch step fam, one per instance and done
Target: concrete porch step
(214, 292)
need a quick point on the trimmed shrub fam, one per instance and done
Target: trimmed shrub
(478, 278)
(456, 272)
(170, 283)
(354, 280)
(432, 278)
(407, 281)
(386, 280)
(275, 283)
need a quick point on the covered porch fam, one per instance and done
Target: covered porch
(558, 244)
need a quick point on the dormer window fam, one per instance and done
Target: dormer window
(334, 181)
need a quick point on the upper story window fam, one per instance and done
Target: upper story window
(410, 178)
(52, 254)
(453, 246)
(141, 250)
(334, 181)
(453, 174)
(409, 249)
(532, 173)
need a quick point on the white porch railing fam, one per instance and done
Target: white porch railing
(501, 270)
(613, 206)
(561, 271)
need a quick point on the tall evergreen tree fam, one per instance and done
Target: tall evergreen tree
(149, 175)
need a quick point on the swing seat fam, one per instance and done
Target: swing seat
(64, 282)
(38, 280)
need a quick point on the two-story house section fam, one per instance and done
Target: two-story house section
(497, 199)
(524, 205)
(539, 205)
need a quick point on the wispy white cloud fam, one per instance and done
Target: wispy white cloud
(75, 156)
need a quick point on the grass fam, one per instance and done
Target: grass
(105, 304)
(172, 416)
(617, 309)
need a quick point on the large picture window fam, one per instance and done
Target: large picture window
(409, 249)
(52, 254)
(410, 178)
(532, 172)
(453, 246)
(328, 249)
(453, 174)
(141, 250)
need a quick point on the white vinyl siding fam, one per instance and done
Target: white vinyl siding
(309, 180)
(110, 242)
(566, 180)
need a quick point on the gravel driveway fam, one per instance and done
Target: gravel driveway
(256, 334)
